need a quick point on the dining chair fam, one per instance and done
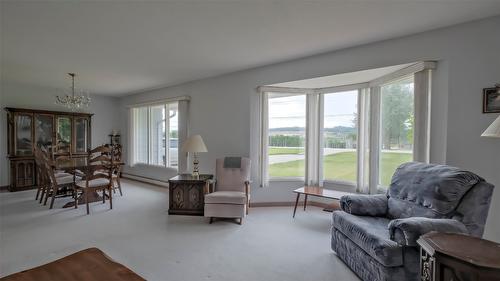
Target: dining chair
(98, 177)
(57, 181)
(117, 170)
(40, 170)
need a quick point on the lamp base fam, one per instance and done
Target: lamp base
(196, 171)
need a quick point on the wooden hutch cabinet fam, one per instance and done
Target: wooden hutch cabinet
(28, 127)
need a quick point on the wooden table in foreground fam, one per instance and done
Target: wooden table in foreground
(318, 192)
(89, 264)
(458, 257)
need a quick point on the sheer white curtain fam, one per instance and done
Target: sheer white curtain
(264, 139)
(363, 172)
(183, 133)
(422, 93)
(313, 140)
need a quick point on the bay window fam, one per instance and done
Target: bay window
(352, 136)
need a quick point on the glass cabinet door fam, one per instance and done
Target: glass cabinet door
(23, 133)
(81, 134)
(44, 127)
(63, 134)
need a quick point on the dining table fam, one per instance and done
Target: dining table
(79, 166)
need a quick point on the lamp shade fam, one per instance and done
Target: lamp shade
(194, 144)
(493, 131)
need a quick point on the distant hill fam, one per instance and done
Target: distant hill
(338, 129)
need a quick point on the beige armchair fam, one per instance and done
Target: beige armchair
(231, 197)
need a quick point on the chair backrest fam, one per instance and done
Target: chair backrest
(100, 155)
(439, 191)
(232, 179)
(100, 171)
(40, 167)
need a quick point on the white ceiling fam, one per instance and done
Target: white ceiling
(118, 48)
(343, 79)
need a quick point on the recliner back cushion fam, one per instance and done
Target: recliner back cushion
(428, 190)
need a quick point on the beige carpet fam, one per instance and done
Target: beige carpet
(138, 233)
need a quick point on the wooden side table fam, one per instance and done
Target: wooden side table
(458, 257)
(187, 194)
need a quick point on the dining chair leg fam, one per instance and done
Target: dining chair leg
(38, 192)
(48, 193)
(110, 198)
(103, 196)
(75, 194)
(43, 193)
(119, 185)
(53, 198)
(248, 206)
(86, 194)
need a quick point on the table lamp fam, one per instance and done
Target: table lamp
(194, 144)
(493, 131)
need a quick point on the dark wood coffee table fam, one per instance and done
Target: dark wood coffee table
(318, 192)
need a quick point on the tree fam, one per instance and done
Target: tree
(397, 111)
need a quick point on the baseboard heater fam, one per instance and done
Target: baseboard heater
(145, 179)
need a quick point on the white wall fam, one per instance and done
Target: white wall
(468, 60)
(106, 116)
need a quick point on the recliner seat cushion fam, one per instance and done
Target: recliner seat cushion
(370, 234)
(428, 190)
(226, 197)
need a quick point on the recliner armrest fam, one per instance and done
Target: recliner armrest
(407, 231)
(364, 205)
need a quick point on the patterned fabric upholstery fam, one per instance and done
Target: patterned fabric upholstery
(421, 198)
(372, 235)
(416, 187)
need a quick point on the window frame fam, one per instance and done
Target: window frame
(375, 186)
(287, 179)
(336, 182)
(149, 140)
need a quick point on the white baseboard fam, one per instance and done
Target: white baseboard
(145, 179)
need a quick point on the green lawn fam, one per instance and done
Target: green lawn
(341, 166)
(285, 150)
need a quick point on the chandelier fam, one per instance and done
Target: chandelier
(72, 101)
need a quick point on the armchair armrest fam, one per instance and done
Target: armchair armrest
(209, 186)
(407, 231)
(364, 205)
(247, 187)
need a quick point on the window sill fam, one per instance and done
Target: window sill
(297, 179)
(340, 185)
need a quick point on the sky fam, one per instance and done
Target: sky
(290, 111)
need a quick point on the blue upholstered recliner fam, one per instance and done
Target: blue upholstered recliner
(375, 235)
